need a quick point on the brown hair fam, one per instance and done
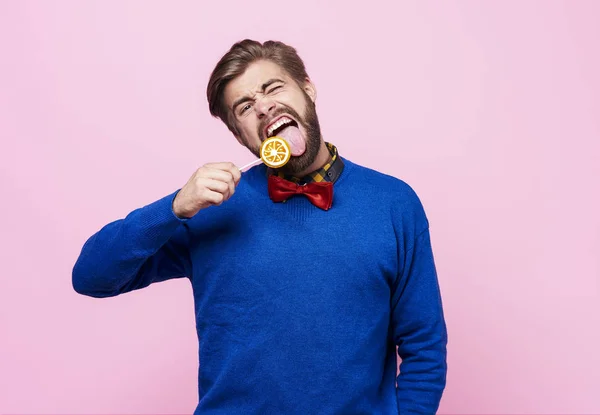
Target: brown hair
(236, 61)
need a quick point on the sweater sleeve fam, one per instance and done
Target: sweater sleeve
(418, 324)
(149, 245)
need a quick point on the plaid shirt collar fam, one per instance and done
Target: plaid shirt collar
(328, 173)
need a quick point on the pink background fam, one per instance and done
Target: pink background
(490, 110)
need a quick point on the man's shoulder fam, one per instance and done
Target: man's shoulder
(388, 191)
(373, 180)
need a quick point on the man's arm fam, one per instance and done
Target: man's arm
(419, 328)
(149, 245)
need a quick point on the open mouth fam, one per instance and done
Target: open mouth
(279, 125)
(288, 129)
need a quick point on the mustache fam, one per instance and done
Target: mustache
(277, 113)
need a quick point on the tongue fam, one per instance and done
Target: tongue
(294, 138)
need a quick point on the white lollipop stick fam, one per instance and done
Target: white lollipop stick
(255, 162)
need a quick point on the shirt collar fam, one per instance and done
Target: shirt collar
(330, 171)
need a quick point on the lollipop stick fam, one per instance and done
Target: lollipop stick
(255, 162)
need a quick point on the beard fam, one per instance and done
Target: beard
(312, 129)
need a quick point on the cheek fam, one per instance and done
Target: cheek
(251, 128)
(298, 102)
(248, 130)
(293, 100)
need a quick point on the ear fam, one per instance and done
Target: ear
(310, 89)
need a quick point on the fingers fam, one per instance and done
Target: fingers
(227, 167)
(211, 184)
(225, 178)
(216, 191)
(225, 172)
(213, 197)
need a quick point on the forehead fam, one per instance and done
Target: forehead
(252, 79)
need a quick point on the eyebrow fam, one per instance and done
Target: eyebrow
(247, 98)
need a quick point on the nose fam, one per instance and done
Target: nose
(264, 106)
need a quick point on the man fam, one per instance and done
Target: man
(305, 278)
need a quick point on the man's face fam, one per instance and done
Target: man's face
(260, 98)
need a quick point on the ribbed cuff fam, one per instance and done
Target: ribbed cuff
(173, 196)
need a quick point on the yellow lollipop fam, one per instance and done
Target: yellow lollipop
(275, 152)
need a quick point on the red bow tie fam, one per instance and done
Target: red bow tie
(319, 193)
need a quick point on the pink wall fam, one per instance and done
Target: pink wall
(490, 110)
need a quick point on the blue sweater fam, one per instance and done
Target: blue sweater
(298, 310)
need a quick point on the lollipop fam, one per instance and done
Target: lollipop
(274, 152)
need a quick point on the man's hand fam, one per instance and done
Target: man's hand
(210, 185)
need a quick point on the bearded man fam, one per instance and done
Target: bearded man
(308, 280)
